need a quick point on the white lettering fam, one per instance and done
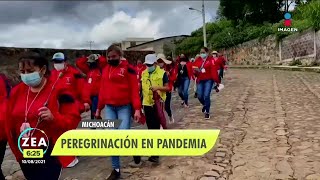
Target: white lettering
(42, 142)
(33, 142)
(288, 29)
(25, 140)
(101, 124)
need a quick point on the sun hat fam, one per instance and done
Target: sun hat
(163, 58)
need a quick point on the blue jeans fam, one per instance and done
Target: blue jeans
(204, 88)
(94, 105)
(184, 89)
(122, 113)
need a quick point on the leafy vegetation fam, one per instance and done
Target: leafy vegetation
(244, 20)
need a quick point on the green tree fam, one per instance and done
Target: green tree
(250, 11)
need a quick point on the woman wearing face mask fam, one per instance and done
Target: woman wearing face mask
(70, 79)
(184, 77)
(92, 66)
(119, 95)
(172, 76)
(38, 103)
(219, 63)
(206, 73)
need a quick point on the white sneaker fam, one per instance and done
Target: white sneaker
(73, 163)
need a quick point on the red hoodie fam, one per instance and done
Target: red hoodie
(119, 86)
(140, 68)
(211, 71)
(71, 80)
(61, 104)
(172, 75)
(3, 99)
(219, 62)
(93, 79)
(2, 120)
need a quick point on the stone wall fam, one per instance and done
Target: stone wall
(9, 58)
(304, 46)
(298, 46)
(318, 46)
(254, 52)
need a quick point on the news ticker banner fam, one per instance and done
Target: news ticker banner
(135, 142)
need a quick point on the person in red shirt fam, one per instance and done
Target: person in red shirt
(37, 102)
(185, 75)
(70, 79)
(172, 76)
(219, 62)
(4, 94)
(92, 66)
(119, 96)
(207, 75)
(139, 69)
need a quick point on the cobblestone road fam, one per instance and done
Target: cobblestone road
(270, 129)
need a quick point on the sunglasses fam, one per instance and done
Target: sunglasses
(57, 61)
(149, 65)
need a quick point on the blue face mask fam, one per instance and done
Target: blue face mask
(151, 69)
(31, 79)
(203, 55)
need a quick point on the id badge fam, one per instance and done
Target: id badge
(23, 127)
(203, 70)
(90, 80)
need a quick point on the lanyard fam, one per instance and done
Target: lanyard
(110, 72)
(28, 109)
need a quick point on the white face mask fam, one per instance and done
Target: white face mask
(59, 66)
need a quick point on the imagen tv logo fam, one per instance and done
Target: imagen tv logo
(287, 23)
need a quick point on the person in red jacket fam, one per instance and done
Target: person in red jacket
(207, 75)
(92, 66)
(219, 63)
(119, 95)
(140, 68)
(38, 103)
(172, 76)
(185, 75)
(3, 137)
(70, 79)
(3, 99)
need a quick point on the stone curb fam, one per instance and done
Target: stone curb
(287, 68)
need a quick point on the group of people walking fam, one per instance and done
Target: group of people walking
(53, 101)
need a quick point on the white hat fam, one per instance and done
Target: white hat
(58, 56)
(150, 59)
(163, 58)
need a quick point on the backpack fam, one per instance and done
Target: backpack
(7, 83)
